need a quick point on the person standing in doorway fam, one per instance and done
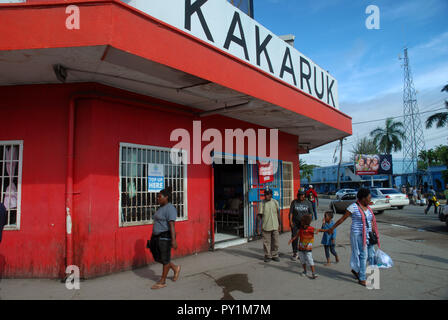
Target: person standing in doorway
(3, 219)
(164, 237)
(270, 212)
(312, 196)
(299, 207)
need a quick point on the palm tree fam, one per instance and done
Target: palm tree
(389, 138)
(364, 146)
(441, 118)
(306, 170)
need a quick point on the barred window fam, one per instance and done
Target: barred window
(288, 184)
(11, 180)
(137, 203)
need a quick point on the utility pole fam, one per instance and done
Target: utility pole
(339, 166)
(414, 141)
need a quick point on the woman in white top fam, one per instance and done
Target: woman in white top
(363, 220)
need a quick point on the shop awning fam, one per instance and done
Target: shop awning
(123, 47)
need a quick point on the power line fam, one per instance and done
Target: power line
(417, 113)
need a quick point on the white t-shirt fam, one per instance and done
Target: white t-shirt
(357, 219)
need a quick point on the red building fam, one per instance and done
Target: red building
(90, 96)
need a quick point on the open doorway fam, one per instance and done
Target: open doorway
(229, 201)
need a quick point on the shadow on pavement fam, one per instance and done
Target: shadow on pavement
(427, 257)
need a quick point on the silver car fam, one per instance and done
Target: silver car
(343, 192)
(378, 203)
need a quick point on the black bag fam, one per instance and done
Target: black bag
(373, 237)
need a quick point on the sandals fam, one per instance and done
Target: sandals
(355, 274)
(158, 286)
(363, 283)
(176, 274)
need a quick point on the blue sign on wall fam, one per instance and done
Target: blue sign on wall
(156, 178)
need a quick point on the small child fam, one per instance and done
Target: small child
(328, 240)
(306, 239)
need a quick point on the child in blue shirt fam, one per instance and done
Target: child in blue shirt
(329, 240)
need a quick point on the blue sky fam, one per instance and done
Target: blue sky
(366, 62)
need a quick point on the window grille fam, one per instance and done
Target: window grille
(137, 204)
(11, 180)
(288, 184)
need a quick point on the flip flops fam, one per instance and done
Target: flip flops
(355, 274)
(176, 274)
(158, 286)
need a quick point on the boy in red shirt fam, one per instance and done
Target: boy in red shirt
(306, 239)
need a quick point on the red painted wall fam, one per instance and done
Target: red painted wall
(38, 116)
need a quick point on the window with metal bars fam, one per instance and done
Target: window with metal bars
(137, 204)
(288, 184)
(11, 180)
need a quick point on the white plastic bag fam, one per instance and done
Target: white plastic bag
(382, 260)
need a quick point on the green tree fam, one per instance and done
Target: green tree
(364, 146)
(389, 137)
(306, 170)
(440, 118)
(441, 154)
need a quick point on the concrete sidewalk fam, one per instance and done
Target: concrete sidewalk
(420, 272)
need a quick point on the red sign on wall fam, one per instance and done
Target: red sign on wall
(266, 172)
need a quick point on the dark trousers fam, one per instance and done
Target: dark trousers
(314, 210)
(430, 203)
(295, 243)
(328, 249)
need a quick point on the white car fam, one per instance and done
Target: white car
(343, 192)
(396, 198)
(379, 203)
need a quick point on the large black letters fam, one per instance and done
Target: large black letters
(330, 92)
(290, 69)
(191, 9)
(320, 95)
(262, 48)
(232, 38)
(305, 76)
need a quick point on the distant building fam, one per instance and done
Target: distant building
(324, 179)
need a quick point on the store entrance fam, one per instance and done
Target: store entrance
(229, 202)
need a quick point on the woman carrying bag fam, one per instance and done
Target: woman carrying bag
(363, 236)
(164, 237)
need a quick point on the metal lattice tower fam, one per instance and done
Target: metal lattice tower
(414, 141)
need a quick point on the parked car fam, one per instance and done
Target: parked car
(396, 198)
(443, 214)
(378, 205)
(343, 192)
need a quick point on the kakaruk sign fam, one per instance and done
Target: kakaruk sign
(231, 30)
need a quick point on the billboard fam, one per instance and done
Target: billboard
(373, 164)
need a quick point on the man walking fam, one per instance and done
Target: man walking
(299, 207)
(312, 196)
(270, 212)
(431, 200)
